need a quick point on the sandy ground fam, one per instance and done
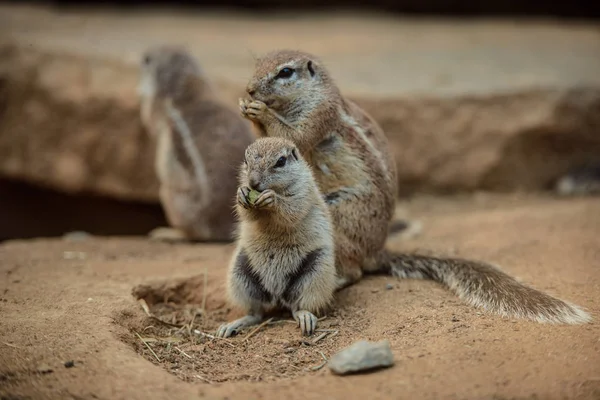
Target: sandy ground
(64, 301)
(71, 329)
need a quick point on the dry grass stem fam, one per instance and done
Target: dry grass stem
(146, 309)
(258, 328)
(333, 334)
(318, 367)
(208, 335)
(204, 294)
(320, 337)
(148, 346)
(202, 378)
(183, 352)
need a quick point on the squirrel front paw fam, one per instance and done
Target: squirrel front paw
(253, 110)
(265, 200)
(242, 197)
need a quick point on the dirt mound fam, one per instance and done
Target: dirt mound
(179, 335)
(70, 323)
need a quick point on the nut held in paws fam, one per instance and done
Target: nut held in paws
(252, 196)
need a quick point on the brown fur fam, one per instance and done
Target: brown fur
(348, 153)
(352, 167)
(285, 253)
(200, 143)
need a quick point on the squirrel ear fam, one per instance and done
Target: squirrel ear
(295, 154)
(311, 70)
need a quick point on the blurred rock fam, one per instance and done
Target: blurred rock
(71, 123)
(69, 119)
(501, 142)
(76, 236)
(581, 181)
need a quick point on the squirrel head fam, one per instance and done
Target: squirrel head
(289, 80)
(168, 71)
(276, 164)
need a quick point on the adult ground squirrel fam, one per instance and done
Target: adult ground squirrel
(285, 253)
(200, 143)
(293, 96)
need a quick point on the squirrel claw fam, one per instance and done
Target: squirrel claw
(243, 104)
(232, 328)
(307, 322)
(242, 197)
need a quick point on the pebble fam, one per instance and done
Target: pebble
(76, 236)
(389, 286)
(74, 255)
(362, 356)
(44, 369)
(69, 364)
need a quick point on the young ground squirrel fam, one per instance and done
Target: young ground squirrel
(200, 143)
(293, 96)
(285, 253)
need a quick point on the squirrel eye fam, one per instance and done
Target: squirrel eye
(285, 73)
(281, 162)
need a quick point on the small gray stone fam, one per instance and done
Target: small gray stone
(76, 236)
(44, 369)
(362, 356)
(389, 286)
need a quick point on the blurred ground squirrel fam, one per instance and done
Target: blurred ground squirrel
(293, 96)
(200, 144)
(285, 253)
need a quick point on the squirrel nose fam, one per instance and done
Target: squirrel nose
(251, 88)
(254, 183)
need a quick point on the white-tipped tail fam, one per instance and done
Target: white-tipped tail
(483, 285)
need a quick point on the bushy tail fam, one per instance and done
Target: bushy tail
(483, 285)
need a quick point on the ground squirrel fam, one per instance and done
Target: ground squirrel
(200, 143)
(293, 96)
(285, 253)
